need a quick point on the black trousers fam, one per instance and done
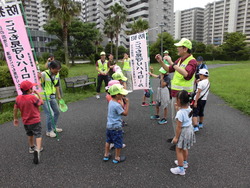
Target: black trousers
(100, 78)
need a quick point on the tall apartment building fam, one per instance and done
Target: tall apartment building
(189, 24)
(36, 17)
(226, 16)
(156, 12)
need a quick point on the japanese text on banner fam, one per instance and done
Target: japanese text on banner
(16, 46)
(139, 61)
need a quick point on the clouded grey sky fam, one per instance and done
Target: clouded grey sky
(186, 4)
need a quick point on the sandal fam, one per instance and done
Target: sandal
(106, 158)
(122, 159)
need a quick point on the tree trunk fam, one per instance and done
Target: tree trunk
(65, 43)
(116, 49)
(111, 48)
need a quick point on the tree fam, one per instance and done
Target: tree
(80, 37)
(200, 48)
(119, 16)
(109, 30)
(98, 40)
(137, 26)
(168, 44)
(63, 11)
(234, 45)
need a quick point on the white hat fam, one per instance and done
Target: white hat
(204, 72)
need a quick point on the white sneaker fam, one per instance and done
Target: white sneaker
(111, 146)
(59, 130)
(177, 171)
(185, 165)
(32, 149)
(97, 96)
(51, 134)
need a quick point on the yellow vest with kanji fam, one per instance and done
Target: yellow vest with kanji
(178, 82)
(104, 66)
(126, 66)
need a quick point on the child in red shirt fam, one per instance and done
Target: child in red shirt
(28, 104)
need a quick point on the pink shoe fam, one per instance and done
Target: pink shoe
(144, 104)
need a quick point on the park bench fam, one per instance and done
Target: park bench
(7, 94)
(79, 81)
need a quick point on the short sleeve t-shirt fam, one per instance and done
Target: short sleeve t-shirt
(114, 115)
(29, 107)
(167, 80)
(203, 85)
(183, 116)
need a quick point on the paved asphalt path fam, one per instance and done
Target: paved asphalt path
(220, 158)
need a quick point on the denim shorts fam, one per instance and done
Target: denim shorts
(34, 130)
(115, 136)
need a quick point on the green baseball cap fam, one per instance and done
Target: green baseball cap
(184, 42)
(119, 76)
(117, 89)
(166, 52)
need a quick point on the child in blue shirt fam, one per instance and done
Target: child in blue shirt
(114, 122)
(184, 136)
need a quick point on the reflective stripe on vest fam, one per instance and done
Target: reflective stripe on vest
(104, 66)
(48, 85)
(126, 66)
(178, 82)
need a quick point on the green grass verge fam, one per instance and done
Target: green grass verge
(227, 62)
(231, 83)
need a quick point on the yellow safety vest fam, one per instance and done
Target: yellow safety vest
(178, 82)
(104, 66)
(49, 86)
(126, 66)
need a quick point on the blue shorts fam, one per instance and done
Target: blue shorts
(115, 136)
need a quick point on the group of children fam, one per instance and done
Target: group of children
(186, 117)
(118, 106)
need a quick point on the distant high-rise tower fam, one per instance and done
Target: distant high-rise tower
(226, 16)
(156, 12)
(189, 24)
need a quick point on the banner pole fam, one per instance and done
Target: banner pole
(150, 78)
(38, 68)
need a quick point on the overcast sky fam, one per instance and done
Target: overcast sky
(186, 4)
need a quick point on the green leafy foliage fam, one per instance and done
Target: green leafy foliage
(137, 26)
(235, 46)
(168, 44)
(5, 77)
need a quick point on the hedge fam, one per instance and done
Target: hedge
(6, 79)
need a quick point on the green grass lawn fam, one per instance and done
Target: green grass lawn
(227, 62)
(230, 83)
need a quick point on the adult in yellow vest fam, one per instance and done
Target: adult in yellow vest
(184, 73)
(127, 72)
(50, 80)
(102, 68)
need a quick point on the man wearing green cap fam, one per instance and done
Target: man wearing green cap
(102, 69)
(184, 69)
